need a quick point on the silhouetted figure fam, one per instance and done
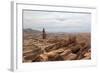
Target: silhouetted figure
(44, 34)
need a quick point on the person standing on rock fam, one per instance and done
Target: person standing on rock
(43, 34)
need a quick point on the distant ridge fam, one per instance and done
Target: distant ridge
(28, 30)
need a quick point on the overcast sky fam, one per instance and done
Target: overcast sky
(57, 21)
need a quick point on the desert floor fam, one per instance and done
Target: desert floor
(56, 46)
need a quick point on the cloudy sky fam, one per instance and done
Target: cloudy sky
(57, 21)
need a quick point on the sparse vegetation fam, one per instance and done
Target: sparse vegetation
(56, 47)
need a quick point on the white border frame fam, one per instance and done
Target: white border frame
(16, 59)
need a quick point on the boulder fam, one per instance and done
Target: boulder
(70, 56)
(66, 52)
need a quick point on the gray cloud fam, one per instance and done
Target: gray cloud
(57, 21)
